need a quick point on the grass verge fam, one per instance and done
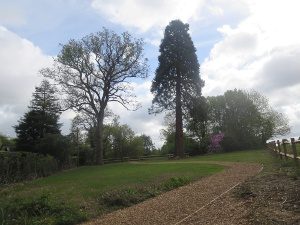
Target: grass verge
(273, 197)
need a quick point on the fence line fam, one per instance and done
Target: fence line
(281, 148)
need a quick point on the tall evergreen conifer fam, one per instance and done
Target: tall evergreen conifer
(177, 81)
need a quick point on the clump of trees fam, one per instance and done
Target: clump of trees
(120, 141)
(243, 120)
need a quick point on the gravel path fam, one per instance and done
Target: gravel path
(207, 201)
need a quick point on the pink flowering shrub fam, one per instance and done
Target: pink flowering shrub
(215, 142)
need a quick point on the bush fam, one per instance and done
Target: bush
(126, 197)
(18, 166)
(86, 155)
(231, 144)
(55, 145)
(175, 182)
(39, 211)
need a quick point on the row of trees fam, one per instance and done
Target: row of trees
(90, 73)
(39, 131)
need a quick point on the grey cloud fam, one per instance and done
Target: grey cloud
(281, 71)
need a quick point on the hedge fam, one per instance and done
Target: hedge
(19, 166)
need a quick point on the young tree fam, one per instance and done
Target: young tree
(97, 70)
(177, 80)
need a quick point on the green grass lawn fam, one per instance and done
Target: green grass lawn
(82, 193)
(81, 190)
(251, 156)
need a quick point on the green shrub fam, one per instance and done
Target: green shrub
(175, 182)
(18, 166)
(126, 197)
(39, 211)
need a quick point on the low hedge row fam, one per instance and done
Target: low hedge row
(19, 166)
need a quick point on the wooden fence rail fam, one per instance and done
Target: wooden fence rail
(281, 148)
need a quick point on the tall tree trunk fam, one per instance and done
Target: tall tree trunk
(179, 127)
(99, 140)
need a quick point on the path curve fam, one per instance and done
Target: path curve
(201, 202)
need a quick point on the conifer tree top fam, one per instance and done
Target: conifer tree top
(177, 60)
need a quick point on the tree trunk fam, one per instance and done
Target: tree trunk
(99, 140)
(179, 127)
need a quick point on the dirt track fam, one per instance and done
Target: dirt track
(206, 201)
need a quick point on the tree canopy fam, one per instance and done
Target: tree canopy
(96, 70)
(177, 80)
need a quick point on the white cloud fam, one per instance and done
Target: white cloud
(145, 14)
(20, 61)
(262, 52)
(140, 121)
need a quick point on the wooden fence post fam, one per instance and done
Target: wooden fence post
(284, 148)
(279, 149)
(294, 151)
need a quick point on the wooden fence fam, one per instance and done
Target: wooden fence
(286, 149)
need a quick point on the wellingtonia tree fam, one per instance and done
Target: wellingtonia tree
(41, 119)
(96, 70)
(177, 81)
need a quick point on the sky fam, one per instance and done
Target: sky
(245, 44)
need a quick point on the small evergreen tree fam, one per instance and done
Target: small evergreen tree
(41, 119)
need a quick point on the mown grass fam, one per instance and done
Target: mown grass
(76, 195)
(85, 192)
(250, 156)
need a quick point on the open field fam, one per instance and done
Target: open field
(80, 194)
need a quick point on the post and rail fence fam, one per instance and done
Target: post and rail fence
(286, 149)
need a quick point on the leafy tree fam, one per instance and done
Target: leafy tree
(177, 80)
(245, 118)
(147, 144)
(272, 123)
(198, 123)
(96, 70)
(41, 119)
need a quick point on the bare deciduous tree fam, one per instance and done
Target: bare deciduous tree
(97, 70)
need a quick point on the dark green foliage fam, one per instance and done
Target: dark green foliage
(126, 197)
(41, 119)
(190, 145)
(45, 99)
(39, 211)
(86, 155)
(177, 80)
(198, 122)
(246, 119)
(19, 166)
(32, 127)
(177, 63)
(175, 182)
(148, 144)
(55, 145)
